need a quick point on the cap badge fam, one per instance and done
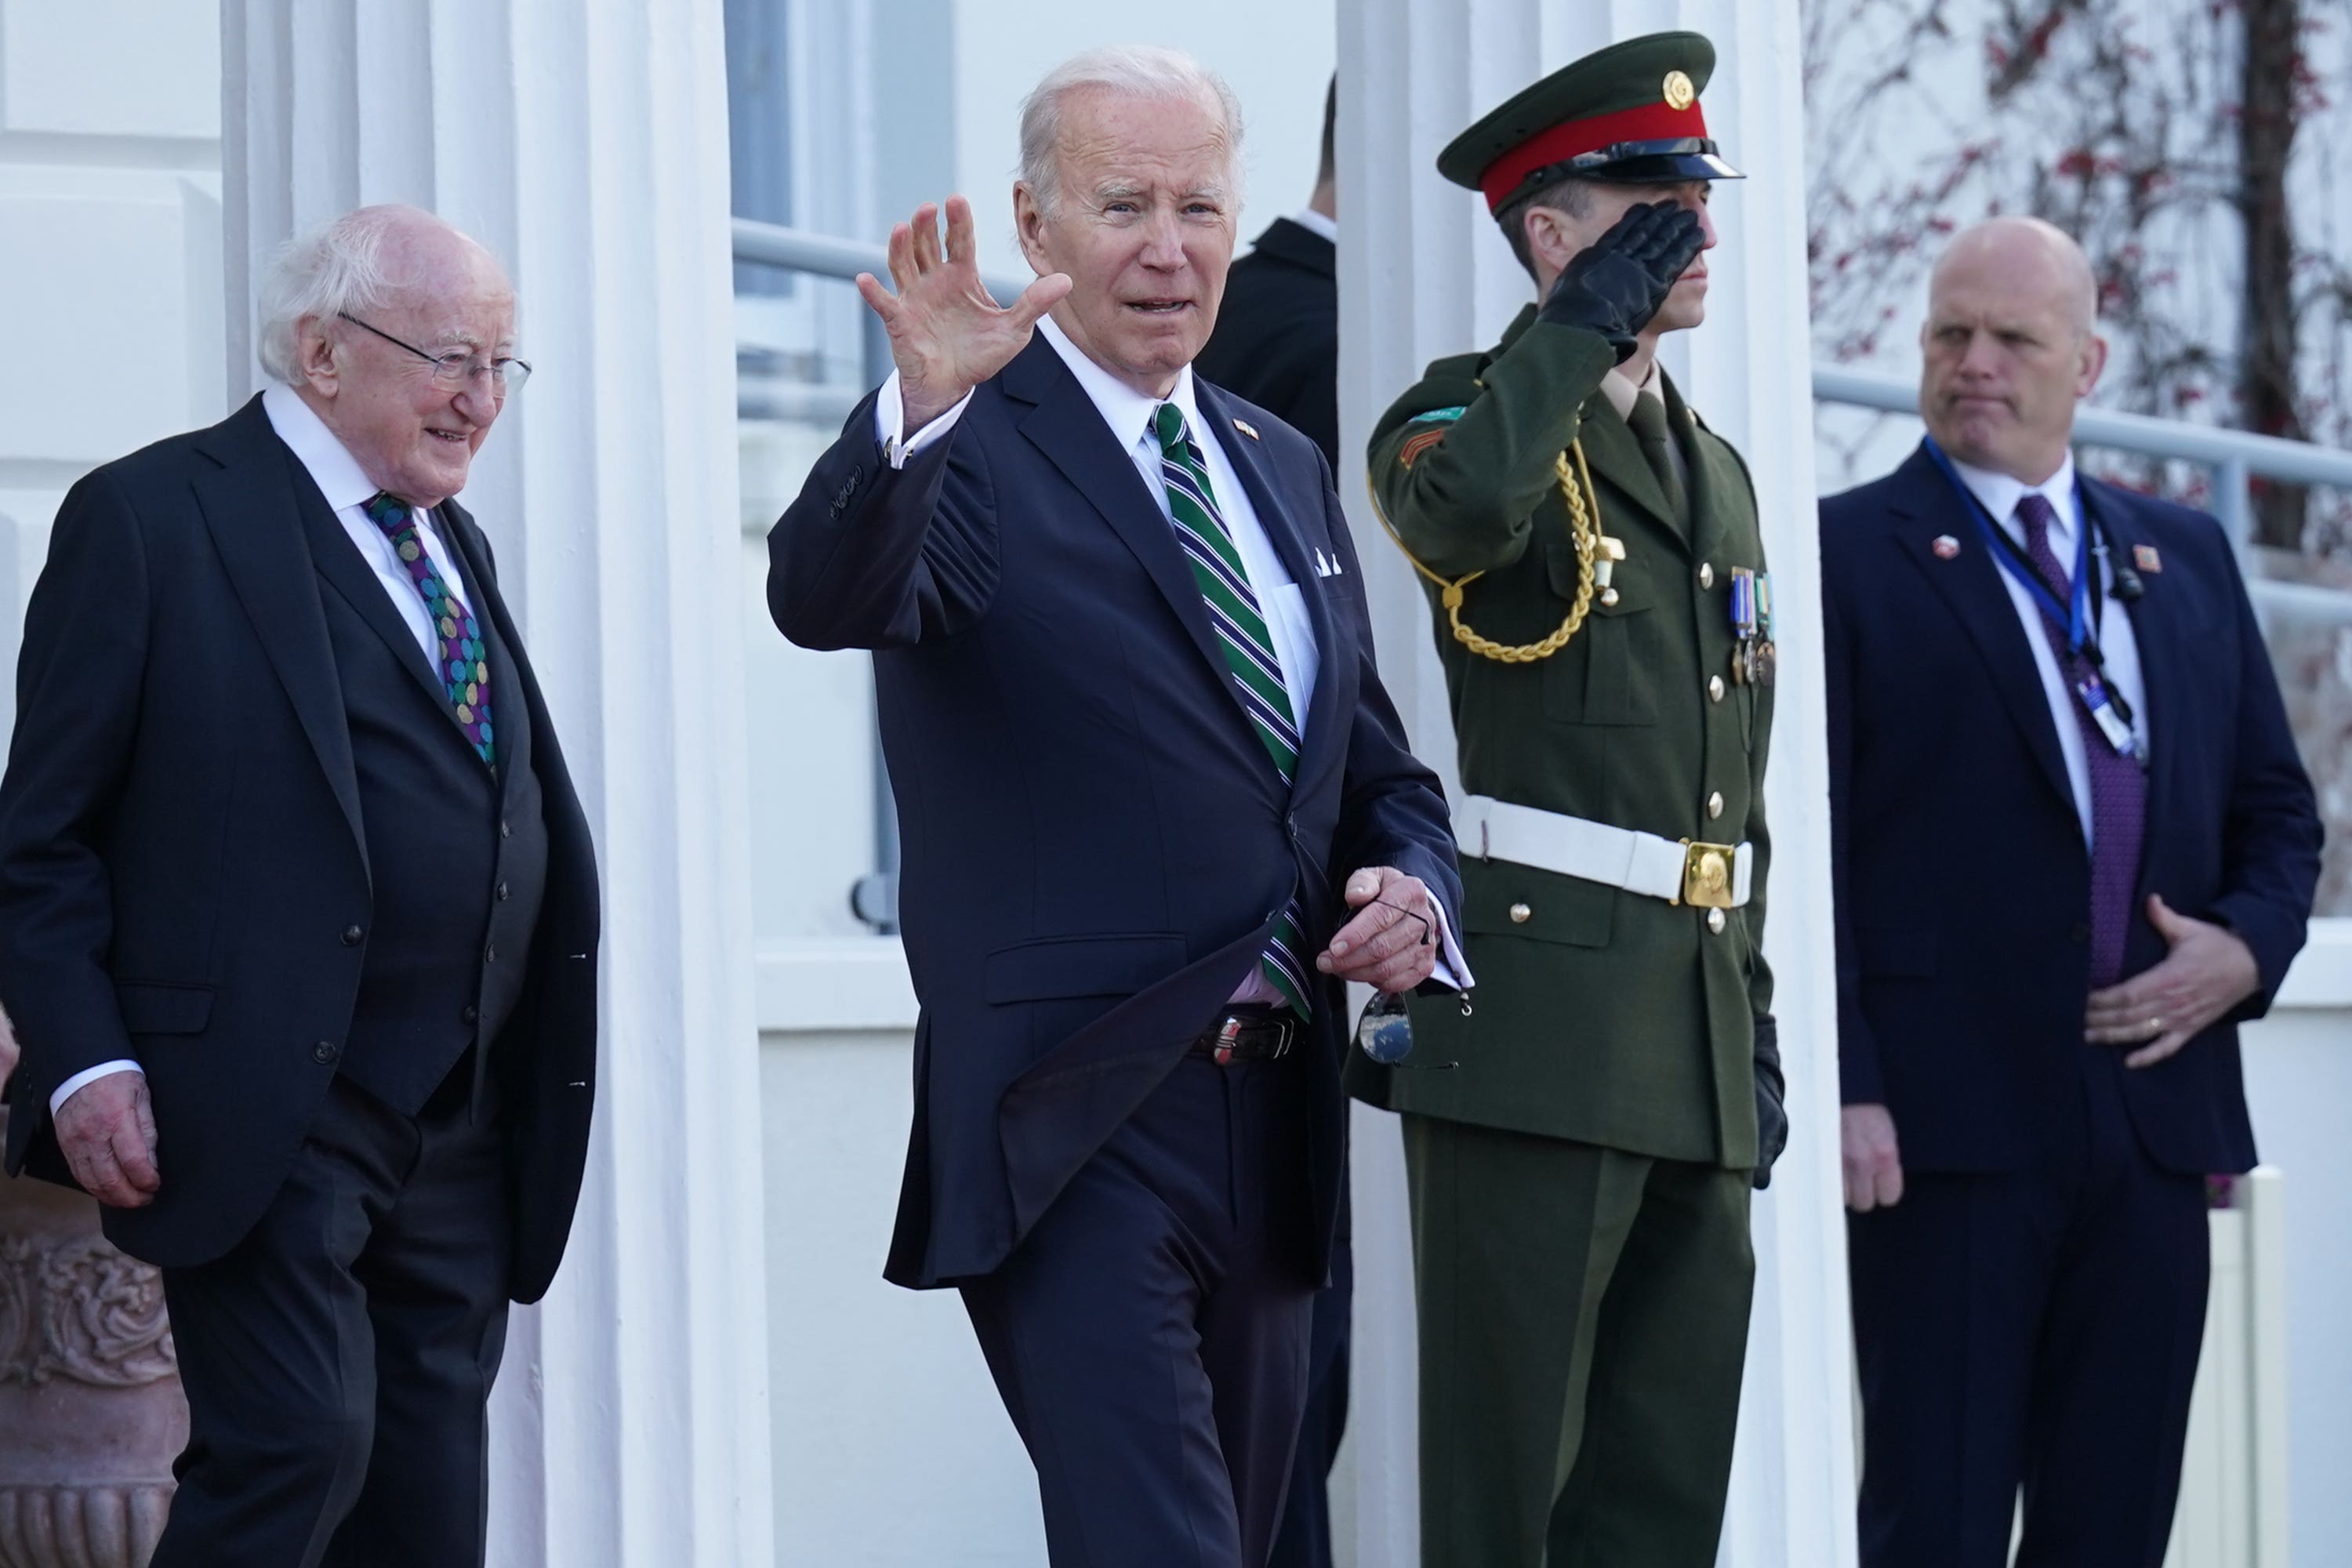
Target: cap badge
(1680, 93)
(2144, 557)
(1945, 546)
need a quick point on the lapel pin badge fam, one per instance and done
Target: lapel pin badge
(2144, 557)
(1246, 428)
(1946, 547)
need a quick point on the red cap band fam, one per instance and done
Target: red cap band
(1657, 121)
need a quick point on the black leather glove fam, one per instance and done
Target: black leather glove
(1771, 1092)
(1616, 284)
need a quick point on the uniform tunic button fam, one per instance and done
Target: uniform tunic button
(1715, 803)
(351, 935)
(471, 1014)
(1707, 573)
(1715, 922)
(325, 1052)
(1608, 598)
(1715, 688)
(1521, 914)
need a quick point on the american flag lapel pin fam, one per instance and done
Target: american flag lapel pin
(1246, 428)
(2144, 557)
(1945, 546)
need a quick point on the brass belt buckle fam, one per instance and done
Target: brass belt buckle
(1227, 1033)
(1706, 875)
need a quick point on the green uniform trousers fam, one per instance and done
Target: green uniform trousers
(1584, 1325)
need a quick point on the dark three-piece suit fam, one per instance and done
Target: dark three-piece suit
(245, 843)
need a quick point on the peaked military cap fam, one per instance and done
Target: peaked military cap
(1627, 112)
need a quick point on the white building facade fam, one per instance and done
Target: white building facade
(720, 1377)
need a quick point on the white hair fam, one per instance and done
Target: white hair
(341, 265)
(1136, 70)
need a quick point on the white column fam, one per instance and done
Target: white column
(586, 144)
(1425, 272)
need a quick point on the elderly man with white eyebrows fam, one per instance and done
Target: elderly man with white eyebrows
(2072, 850)
(298, 911)
(1156, 809)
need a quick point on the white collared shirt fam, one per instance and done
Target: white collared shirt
(348, 490)
(2000, 493)
(1316, 223)
(1129, 414)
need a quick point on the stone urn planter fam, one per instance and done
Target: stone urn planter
(90, 1410)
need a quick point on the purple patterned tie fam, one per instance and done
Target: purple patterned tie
(2118, 784)
(464, 666)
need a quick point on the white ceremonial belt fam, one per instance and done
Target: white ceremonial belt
(1708, 876)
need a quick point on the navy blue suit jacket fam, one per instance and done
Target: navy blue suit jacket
(1096, 844)
(1961, 877)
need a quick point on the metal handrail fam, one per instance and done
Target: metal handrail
(829, 255)
(2297, 462)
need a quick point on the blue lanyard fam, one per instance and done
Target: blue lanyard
(2076, 612)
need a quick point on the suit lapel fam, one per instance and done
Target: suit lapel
(1708, 478)
(1971, 584)
(252, 506)
(2157, 630)
(347, 572)
(1064, 424)
(1615, 459)
(1278, 512)
(512, 737)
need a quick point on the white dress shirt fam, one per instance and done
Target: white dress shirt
(348, 490)
(1316, 223)
(1130, 414)
(2000, 493)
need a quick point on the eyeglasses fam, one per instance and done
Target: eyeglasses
(458, 367)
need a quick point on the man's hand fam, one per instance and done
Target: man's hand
(107, 1131)
(1392, 944)
(2209, 970)
(1616, 284)
(1874, 1165)
(946, 333)
(7, 1048)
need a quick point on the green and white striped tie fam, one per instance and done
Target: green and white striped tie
(1249, 652)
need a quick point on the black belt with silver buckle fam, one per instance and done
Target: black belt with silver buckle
(1249, 1034)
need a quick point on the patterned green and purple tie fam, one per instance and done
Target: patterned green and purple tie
(1249, 655)
(465, 663)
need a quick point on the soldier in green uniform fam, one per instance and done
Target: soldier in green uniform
(1580, 1175)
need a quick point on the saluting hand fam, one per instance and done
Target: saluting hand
(2209, 970)
(1392, 944)
(947, 334)
(1616, 284)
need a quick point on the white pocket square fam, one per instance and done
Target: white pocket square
(1326, 566)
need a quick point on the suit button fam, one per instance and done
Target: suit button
(502, 892)
(1707, 573)
(490, 953)
(1521, 914)
(504, 830)
(2081, 932)
(472, 1014)
(1715, 688)
(1715, 922)
(1714, 805)
(325, 1052)
(351, 935)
